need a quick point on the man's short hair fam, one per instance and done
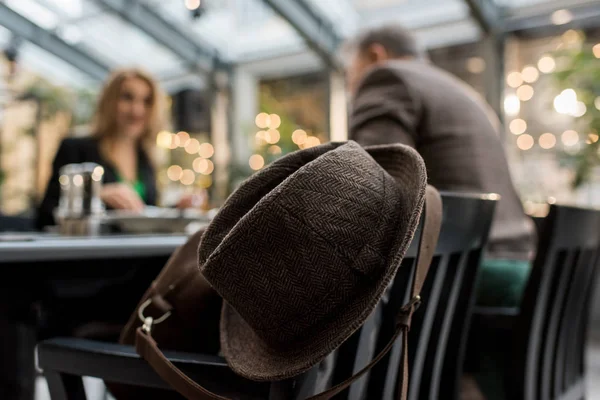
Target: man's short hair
(398, 41)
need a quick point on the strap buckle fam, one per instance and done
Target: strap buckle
(414, 303)
(148, 322)
(405, 313)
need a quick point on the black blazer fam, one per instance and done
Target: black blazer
(79, 150)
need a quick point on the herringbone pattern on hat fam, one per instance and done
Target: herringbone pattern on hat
(303, 250)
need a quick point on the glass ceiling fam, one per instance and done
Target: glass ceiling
(239, 29)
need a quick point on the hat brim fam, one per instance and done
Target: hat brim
(249, 356)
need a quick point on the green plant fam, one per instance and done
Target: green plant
(581, 72)
(52, 99)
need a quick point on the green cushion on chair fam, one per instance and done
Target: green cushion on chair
(502, 282)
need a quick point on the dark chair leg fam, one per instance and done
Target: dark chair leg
(17, 366)
(65, 387)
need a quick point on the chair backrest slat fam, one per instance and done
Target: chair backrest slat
(550, 335)
(441, 321)
(560, 282)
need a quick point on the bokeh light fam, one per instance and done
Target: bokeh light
(200, 165)
(274, 121)
(476, 65)
(512, 105)
(174, 172)
(274, 150)
(184, 137)
(299, 137)
(525, 142)
(518, 126)
(256, 162)
(514, 79)
(192, 146)
(570, 138)
(187, 177)
(206, 150)
(525, 93)
(547, 141)
(546, 64)
(263, 120)
(163, 139)
(174, 142)
(272, 136)
(530, 74)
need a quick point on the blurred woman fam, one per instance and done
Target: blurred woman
(128, 117)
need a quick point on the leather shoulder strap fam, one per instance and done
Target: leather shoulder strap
(148, 349)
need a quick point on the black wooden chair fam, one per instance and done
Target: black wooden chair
(545, 339)
(65, 360)
(464, 232)
(439, 329)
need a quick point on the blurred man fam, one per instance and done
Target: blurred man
(399, 97)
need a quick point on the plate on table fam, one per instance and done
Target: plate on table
(157, 220)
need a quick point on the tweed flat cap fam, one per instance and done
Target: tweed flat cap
(302, 252)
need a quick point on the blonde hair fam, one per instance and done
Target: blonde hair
(105, 119)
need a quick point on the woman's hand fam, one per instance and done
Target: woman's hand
(194, 200)
(121, 196)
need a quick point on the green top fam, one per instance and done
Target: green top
(137, 185)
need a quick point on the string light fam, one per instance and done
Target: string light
(163, 139)
(596, 50)
(263, 120)
(476, 65)
(206, 150)
(514, 79)
(261, 137)
(512, 105)
(546, 64)
(565, 102)
(272, 136)
(210, 167)
(174, 142)
(525, 93)
(547, 141)
(275, 150)
(274, 121)
(192, 146)
(592, 138)
(63, 180)
(256, 162)
(525, 142)
(200, 165)
(530, 74)
(174, 172)
(518, 126)
(570, 138)
(299, 137)
(184, 138)
(187, 177)
(597, 103)
(311, 141)
(580, 109)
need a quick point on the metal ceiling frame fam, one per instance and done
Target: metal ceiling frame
(199, 57)
(80, 59)
(537, 18)
(488, 15)
(315, 29)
